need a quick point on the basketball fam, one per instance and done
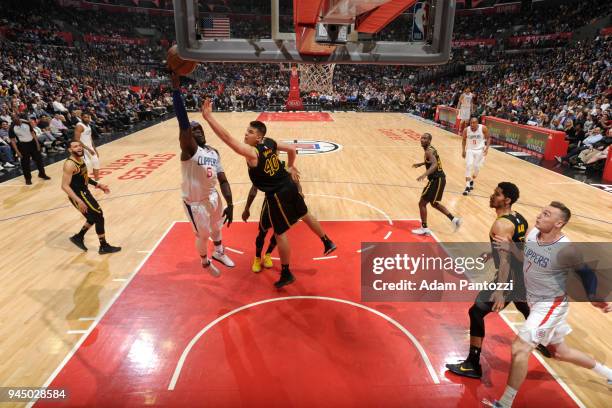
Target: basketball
(179, 65)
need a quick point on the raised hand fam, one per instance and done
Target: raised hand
(207, 108)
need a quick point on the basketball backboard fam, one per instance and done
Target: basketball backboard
(282, 47)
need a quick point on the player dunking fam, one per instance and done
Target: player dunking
(284, 204)
(433, 191)
(548, 259)
(262, 230)
(475, 146)
(74, 183)
(512, 226)
(82, 134)
(201, 169)
(465, 108)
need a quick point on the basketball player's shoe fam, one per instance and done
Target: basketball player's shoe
(285, 279)
(466, 369)
(108, 249)
(421, 231)
(224, 259)
(328, 247)
(468, 188)
(456, 223)
(256, 267)
(211, 268)
(267, 261)
(78, 241)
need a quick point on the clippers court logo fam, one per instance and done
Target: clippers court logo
(314, 146)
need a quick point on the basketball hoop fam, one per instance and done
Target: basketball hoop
(317, 77)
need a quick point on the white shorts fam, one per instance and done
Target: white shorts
(206, 217)
(91, 160)
(474, 159)
(546, 323)
(465, 114)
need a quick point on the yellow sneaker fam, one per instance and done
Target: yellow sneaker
(256, 265)
(267, 263)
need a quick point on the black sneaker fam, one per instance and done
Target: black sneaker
(45, 177)
(466, 191)
(328, 247)
(543, 351)
(29, 182)
(285, 279)
(78, 241)
(108, 249)
(466, 369)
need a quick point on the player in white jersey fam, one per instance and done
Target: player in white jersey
(465, 108)
(82, 134)
(548, 259)
(201, 170)
(475, 144)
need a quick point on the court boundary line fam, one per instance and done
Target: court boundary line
(112, 301)
(548, 368)
(200, 334)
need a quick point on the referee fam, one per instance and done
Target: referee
(26, 146)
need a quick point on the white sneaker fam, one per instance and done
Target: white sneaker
(421, 231)
(212, 269)
(1, 168)
(456, 223)
(9, 165)
(224, 259)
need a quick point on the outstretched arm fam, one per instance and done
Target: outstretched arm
(242, 149)
(186, 140)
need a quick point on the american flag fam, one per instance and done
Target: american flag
(216, 27)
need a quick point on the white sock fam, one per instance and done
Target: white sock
(467, 183)
(507, 398)
(219, 248)
(603, 371)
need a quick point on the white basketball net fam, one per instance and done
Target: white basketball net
(317, 77)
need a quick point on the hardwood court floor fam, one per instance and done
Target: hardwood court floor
(51, 292)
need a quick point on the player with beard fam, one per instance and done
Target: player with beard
(75, 180)
(513, 226)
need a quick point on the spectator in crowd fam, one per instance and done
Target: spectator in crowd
(26, 146)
